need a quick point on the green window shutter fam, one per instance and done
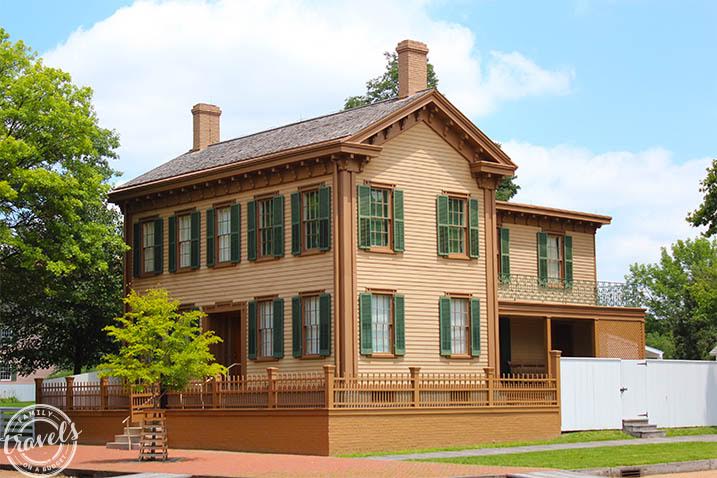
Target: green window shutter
(325, 218)
(364, 213)
(278, 224)
(325, 325)
(366, 329)
(504, 254)
(442, 223)
(137, 250)
(444, 314)
(158, 242)
(296, 223)
(542, 239)
(251, 230)
(475, 327)
(398, 240)
(568, 257)
(235, 238)
(297, 327)
(172, 243)
(195, 224)
(399, 325)
(278, 328)
(474, 231)
(252, 330)
(210, 238)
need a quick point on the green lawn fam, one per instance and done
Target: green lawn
(574, 437)
(678, 432)
(4, 402)
(596, 457)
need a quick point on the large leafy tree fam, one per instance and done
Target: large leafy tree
(60, 247)
(159, 344)
(385, 86)
(706, 213)
(680, 294)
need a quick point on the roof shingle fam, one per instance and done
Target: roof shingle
(303, 133)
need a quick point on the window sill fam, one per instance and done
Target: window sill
(383, 356)
(223, 265)
(461, 357)
(312, 252)
(266, 259)
(266, 359)
(382, 250)
(313, 357)
(144, 275)
(457, 257)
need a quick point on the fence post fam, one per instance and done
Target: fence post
(38, 390)
(555, 373)
(490, 382)
(104, 393)
(329, 371)
(217, 392)
(271, 389)
(415, 385)
(69, 393)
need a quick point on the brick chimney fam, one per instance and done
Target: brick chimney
(412, 67)
(206, 125)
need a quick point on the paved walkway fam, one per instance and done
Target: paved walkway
(235, 465)
(556, 446)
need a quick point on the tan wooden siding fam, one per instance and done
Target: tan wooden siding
(284, 277)
(423, 165)
(524, 252)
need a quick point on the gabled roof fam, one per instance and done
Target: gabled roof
(312, 131)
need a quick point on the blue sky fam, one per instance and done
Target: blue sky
(606, 106)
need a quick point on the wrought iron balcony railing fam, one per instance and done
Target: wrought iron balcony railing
(531, 288)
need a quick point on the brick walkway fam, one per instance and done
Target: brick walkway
(231, 464)
(555, 446)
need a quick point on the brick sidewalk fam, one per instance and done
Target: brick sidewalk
(232, 464)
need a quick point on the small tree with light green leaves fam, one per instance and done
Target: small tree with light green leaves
(158, 344)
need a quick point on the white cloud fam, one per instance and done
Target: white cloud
(267, 63)
(647, 193)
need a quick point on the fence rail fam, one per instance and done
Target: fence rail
(318, 391)
(585, 292)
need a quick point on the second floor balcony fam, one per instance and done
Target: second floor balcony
(517, 287)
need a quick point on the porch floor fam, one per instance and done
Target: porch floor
(232, 464)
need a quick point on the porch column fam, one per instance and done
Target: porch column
(548, 342)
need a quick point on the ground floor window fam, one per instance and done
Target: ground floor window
(311, 317)
(265, 316)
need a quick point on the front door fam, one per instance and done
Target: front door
(633, 389)
(227, 325)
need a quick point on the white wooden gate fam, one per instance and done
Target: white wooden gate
(599, 393)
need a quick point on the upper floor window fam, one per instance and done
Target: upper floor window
(458, 226)
(147, 247)
(224, 233)
(184, 240)
(265, 227)
(382, 324)
(381, 223)
(555, 257)
(503, 254)
(310, 219)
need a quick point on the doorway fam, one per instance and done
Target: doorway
(227, 325)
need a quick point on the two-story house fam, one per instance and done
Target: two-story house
(370, 240)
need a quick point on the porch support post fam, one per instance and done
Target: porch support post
(38, 390)
(555, 374)
(329, 373)
(104, 393)
(548, 342)
(69, 392)
(271, 387)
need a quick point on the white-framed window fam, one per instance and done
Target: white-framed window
(460, 323)
(184, 240)
(310, 316)
(265, 211)
(310, 219)
(555, 257)
(266, 328)
(5, 374)
(224, 247)
(381, 323)
(148, 246)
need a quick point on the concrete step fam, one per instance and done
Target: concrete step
(650, 434)
(128, 438)
(115, 445)
(640, 428)
(635, 421)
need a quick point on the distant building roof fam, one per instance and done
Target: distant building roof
(652, 352)
(295, 135)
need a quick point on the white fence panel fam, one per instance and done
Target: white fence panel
(682, 393)
(24, 392)
(677, 393)
(590, 394)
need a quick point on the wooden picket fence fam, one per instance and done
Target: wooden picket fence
(275, 390)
